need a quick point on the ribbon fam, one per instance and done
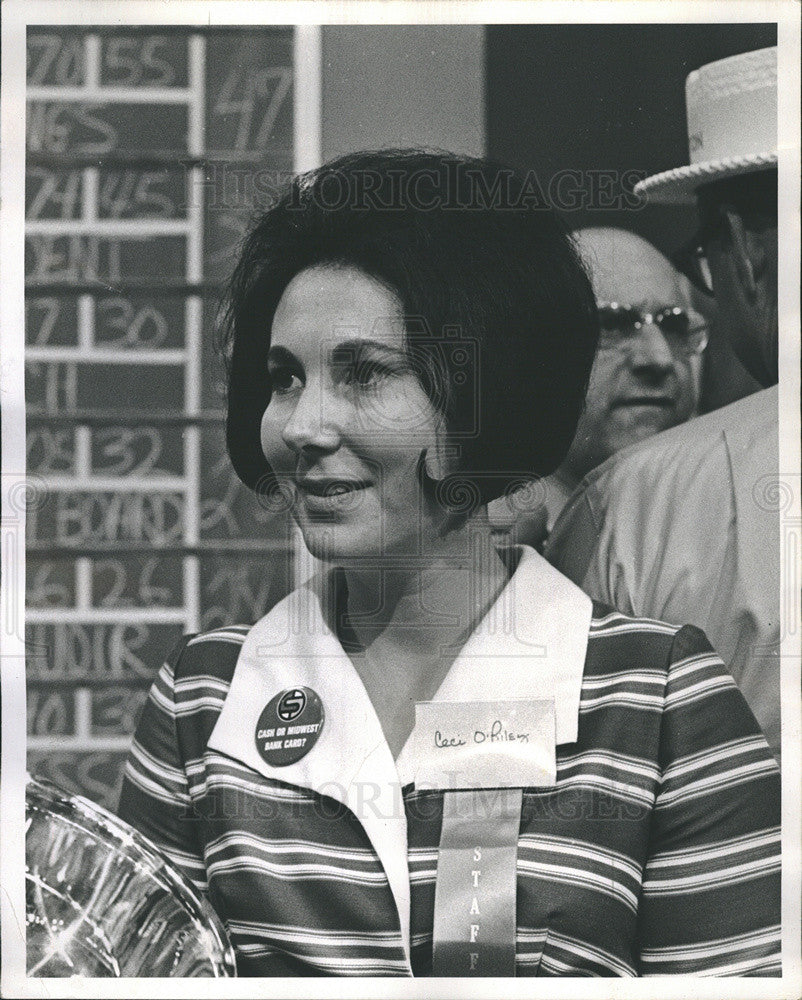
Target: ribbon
(476, 888)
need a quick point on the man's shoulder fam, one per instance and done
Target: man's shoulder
(679, 450)
(672, 477)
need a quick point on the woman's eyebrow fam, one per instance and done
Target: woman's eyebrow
(346, 349)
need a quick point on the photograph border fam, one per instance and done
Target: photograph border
(17, 15)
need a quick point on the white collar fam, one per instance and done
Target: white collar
(530, 644)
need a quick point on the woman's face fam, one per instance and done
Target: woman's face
(348, 420)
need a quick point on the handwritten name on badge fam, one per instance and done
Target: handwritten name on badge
(485, 744)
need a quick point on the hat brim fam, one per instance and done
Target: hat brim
(677, 187)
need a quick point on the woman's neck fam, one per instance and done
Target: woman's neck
(430, 600)
(403, 623)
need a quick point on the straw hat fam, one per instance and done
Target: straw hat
(732, 125)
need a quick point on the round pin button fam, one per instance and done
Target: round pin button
(289, 726)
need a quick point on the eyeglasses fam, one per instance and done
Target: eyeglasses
(691, 260)
(621, 326)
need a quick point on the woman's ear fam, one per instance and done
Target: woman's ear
(440, 459)
(433, 465)
(437, 458)
(747, 250)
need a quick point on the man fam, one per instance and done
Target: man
(645, 375)
(685, 527)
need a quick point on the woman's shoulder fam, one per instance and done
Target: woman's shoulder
(617, 640)
(650, 668)
(209, 654)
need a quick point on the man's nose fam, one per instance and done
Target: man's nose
(651, 352)
(315, 421)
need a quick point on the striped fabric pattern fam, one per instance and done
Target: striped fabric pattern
(657, 851)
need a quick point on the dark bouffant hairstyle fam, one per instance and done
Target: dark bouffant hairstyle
(499, 313)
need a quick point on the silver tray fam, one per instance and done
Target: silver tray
(102, 900)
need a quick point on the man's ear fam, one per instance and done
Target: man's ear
(748, 252)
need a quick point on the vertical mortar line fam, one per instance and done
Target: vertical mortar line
(86, 339)
(86, 322)
(307, 140)
(196, 128)
(83, 713)
(92, 58)
(307, 96)
(83, 583)
(193, 325)
(83, 452)
(89, 193)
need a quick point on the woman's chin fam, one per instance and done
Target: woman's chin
(358, 545)
(340, 543)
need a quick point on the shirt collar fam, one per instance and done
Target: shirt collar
(290, 647)
(531, 644)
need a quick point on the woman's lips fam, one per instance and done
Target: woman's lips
(330, 494)
(331, 486)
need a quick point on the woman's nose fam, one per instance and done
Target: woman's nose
(314, 422)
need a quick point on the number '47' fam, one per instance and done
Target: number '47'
(253, 87)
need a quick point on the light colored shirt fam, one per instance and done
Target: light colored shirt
(685, 528)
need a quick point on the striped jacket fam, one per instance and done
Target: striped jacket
(656, 852)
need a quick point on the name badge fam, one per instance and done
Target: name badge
(485, 744)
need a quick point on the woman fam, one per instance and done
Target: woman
(437, 758)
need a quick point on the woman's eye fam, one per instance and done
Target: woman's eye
(367, 375)
(284, 380)
(359, 373)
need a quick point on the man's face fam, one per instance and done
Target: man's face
(645, 383)
(742, 256)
